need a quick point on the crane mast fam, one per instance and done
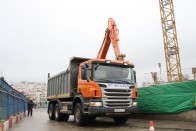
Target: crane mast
(170, 41)
(111, 36)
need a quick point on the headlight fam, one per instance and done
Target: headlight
(95, 103)
(134, 103)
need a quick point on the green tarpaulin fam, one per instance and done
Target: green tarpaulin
(167, 98)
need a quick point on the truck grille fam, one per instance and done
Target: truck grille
(116, 98)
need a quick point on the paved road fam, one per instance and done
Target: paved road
(40, 122)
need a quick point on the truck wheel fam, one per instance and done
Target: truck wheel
(79, 117)
(57, 113)
(60, 116)
(51, 112)
(120, 119)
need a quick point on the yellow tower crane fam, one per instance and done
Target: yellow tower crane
(170, 41)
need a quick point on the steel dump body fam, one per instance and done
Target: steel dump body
(64, 84)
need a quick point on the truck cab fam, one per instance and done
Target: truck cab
(108, 88)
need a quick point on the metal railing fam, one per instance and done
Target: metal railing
(12, 102)
(161, 78)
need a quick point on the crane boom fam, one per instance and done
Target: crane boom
(111, 36)
(170, 41)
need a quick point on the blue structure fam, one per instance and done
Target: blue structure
(12, 102)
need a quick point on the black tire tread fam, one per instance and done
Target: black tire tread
(61, 116)
(51, 107)
(83, 119)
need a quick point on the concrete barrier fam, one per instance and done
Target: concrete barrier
(184, 116)
(6, 125)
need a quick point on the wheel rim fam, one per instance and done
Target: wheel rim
(77, 115)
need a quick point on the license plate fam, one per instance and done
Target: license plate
(119, 110)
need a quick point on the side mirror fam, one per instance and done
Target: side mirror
(85, 76)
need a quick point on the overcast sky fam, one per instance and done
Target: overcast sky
(39, 36)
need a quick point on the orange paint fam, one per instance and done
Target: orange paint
(111, 36)
(89, 89)
(134, 95)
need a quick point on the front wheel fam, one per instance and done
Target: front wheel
(79, 117)
(120, 119)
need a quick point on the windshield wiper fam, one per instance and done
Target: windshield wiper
(104, 80)
(123, 81)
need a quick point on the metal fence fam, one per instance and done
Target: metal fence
(12, 102)
(187, 75)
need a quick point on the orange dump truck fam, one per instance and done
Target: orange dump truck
(89, 88)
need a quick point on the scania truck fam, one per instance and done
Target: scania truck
(89, 88)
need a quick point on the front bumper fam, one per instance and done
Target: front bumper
(105, 110)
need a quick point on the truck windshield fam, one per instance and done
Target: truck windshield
(113, 74)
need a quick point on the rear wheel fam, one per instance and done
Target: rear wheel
(59, 116)
(51, 113)
(79, 117)
(120, 119)
(57, 113)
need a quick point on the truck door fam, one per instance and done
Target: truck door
(83, 88)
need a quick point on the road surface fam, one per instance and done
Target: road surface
(40, 122)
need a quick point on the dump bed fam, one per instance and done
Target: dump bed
(65, 83)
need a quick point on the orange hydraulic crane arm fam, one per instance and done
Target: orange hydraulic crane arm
(111, 36)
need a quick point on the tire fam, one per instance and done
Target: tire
(60, 116)
(79, 117)
(57, 113)
(120, 119)
(51, 112)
